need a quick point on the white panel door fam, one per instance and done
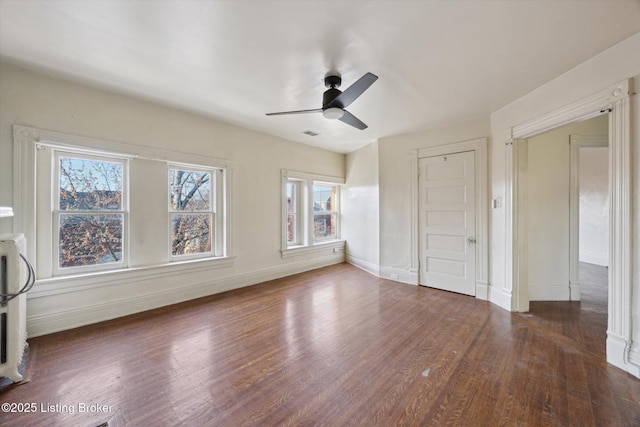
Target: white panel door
(447, 222)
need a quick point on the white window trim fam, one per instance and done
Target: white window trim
(300, 202)
(334, 210)
(56, 212)
(81, 282)
(306, 243)
(333, 244)
(216, 210)
(27, 140)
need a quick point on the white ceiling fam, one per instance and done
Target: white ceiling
(439, 62)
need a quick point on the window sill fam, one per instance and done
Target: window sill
(71, 283)
(336, 245)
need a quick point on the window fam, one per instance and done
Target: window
(90, 212)
(197, 227)
(191, 211)
(311, 214)
(325, 215)
(104, 206)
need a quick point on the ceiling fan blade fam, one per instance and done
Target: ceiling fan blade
(315, 110)
(352, 120)
(354, 91)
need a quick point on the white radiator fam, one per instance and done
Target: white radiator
(16, 278)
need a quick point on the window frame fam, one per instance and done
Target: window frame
(56, 154)
(306, 242)
(335, 210)
(299, 204)
(216, 209)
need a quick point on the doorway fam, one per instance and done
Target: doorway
(613, 101)
(567, 211)
(553, 200)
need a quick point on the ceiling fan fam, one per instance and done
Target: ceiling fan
(335, 101)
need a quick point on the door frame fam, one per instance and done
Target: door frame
(614, 100)
(479, 147)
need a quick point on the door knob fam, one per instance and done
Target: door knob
(471, 241)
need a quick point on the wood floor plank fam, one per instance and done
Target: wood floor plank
(335, 347)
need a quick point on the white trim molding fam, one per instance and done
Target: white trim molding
(591, 106)
(399, 275)
(369, 267)
(614, 100)
(24, 178)
(479, 147)
(332, 245)
(574, 219)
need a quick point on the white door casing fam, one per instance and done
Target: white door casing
(616, 101)
(447, 224)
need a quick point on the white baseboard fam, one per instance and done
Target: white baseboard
(482, 291)
(399, 275)
(597, 258)
(367, 266)
(634, 362)
(500, 297)
(574, 291)
(553, 292)
(616, 348)
(42, 324)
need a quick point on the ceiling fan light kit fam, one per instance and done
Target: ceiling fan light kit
(333, 113)
(335, 101)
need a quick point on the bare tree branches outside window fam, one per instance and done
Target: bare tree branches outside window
(191, 211)
(91, 219)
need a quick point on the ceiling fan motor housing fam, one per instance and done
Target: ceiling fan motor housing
(330, 95)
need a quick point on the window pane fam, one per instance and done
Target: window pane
(189, 190)
(190, 233)
(291, 212)
(324, 226)
(90, 239)
(324, 212)
(324, 198)
(87, 184)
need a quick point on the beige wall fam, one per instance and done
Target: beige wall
(361, 208)
(594, 205)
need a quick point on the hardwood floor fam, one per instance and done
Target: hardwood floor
(334, 347)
